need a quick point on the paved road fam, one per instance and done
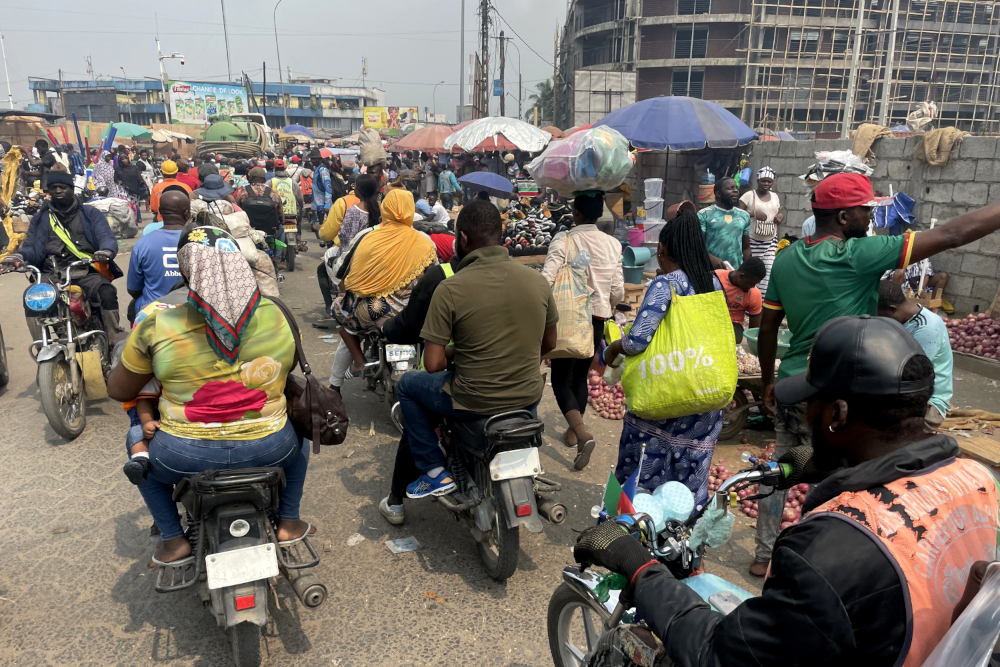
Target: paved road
(75, 590)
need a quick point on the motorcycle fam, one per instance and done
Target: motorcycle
(73, 353)
(620, 637)
(291, 241)
(495, 465)
(385, 363)
(231, 518)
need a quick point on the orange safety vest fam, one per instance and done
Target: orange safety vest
(306, 185)
(932, 525)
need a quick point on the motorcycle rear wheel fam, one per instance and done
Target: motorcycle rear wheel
(245, 639)
(66, 413)
(571, 621)
(499, 552)
(290, 258)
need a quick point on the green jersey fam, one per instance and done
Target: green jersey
(816, 280)
(724, 232)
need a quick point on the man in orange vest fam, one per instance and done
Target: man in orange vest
(169, 171)
(873, 572)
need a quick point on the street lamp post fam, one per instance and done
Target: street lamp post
(163, 76)
(435, 97)
(511, 43)
(281, 81)
(3, 49)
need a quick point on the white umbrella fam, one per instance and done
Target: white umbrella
(525, 136)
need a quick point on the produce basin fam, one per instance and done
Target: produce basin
(784, 337)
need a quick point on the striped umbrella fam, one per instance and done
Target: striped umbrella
(678, 123)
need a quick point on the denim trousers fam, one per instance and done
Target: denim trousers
(172, 459)
(423, 401)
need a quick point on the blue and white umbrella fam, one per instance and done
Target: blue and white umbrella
(678, 123)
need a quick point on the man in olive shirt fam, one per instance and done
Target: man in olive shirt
(501, 317)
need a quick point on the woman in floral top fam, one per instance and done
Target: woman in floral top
(222, 359)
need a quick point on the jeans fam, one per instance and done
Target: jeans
(422, 399)
(172, 459)
(447, 200)
(791, 430)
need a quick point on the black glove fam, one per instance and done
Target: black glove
(611, 546)
(103, 256)
(12, 261)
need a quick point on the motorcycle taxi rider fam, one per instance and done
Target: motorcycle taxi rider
(501, 317)
(874, 571)
(64, 231)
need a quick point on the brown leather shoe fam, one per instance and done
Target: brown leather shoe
(759, 567)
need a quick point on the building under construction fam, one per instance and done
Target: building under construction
(786, 64)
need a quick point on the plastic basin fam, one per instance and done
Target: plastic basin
(636, 256)
(632, 274)
(784, 337)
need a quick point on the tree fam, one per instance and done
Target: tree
(543, 100)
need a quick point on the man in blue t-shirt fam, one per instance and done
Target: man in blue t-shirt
(153, 270)
(932, 334)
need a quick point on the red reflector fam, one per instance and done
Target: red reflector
(245, 602)
(524, 510)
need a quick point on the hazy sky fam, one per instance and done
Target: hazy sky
(410, 44)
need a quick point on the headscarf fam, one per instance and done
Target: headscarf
(221, 286)
(392, 256)
(765, 172)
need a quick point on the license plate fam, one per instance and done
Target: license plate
(400, 352)
(232, 568)
(518, 463)
(291, 229)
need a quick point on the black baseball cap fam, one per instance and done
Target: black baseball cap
(860, 355)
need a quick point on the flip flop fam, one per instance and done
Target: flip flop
(309, 531)
(155, 562)
(583, 458)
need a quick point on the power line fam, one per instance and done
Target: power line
(540, 57)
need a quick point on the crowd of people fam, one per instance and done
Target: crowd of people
(202, 372)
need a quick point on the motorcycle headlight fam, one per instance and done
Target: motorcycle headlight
(40, 297)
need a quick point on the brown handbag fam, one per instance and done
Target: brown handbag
(316, 412)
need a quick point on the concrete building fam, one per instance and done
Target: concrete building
(785, 64)
(318, 103)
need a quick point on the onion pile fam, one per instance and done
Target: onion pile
(748, 364)
(716, 476)
(975, 334)
(608, 401)
(793, 505)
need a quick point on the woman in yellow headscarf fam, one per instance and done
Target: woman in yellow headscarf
(388, 260)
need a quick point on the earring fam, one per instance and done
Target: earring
(832, 430)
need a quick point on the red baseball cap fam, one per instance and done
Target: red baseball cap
(279, 164)
(838, 191)
(296, 158)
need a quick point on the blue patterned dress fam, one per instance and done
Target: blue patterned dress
(678, 449)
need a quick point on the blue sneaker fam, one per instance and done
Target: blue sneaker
(425, 486)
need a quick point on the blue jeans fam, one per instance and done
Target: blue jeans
(172, 459)
(422, 400)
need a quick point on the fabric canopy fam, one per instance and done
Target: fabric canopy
(430, 138)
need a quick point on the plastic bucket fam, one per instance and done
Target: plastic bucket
(654, 188)
(654, 208)
(635, 237)
(632, 274)
(636, 256)
(651, 232)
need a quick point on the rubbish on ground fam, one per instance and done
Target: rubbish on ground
(431, 595)
(402, 545)
(355, 539)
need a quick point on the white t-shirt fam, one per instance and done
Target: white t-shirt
(440, 213)
(766, 230)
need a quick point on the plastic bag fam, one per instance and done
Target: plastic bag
(970, 640)
(594, 159)
(690, 365)
(372, 151)
(714, 528)
(575, 329)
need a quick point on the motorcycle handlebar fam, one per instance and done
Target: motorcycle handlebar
(72, 265)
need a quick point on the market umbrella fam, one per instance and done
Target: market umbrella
(554, 131)
(129, 131)
(298, 129)
(768, 137)
(785, 136)
(678, 123)
(326, 152)
(430, 138)
(495, 184)
(485, 133)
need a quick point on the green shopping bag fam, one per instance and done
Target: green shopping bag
(690, 365)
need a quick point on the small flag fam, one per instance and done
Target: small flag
(615, 500)
(629, 487)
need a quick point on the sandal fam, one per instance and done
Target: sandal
(569, 438)
(583, 458)
(309, 531)
(155, 562)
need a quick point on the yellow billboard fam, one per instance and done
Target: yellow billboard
(389, 120)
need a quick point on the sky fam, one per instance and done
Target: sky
(410, 44)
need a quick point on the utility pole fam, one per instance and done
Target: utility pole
(62, 102)
(845, 128)
(461, 68)
(503, 83)
(555, 74)
(281, 79)
(10, 97)
(883, 115)
(225, 32)
(484, 38)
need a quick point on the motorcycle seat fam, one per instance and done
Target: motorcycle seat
(208, 489)
(517, 429)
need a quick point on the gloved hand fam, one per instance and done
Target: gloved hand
(103, 256)
(611, 546)
(11, 262)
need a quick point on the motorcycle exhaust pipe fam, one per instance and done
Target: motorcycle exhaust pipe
(309, 590)
(551, 510)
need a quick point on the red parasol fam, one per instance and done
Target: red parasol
(427, 139)
(326, 152)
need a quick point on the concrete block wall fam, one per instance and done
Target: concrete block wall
(970, 180)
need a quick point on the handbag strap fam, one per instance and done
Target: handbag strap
(300, 355)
